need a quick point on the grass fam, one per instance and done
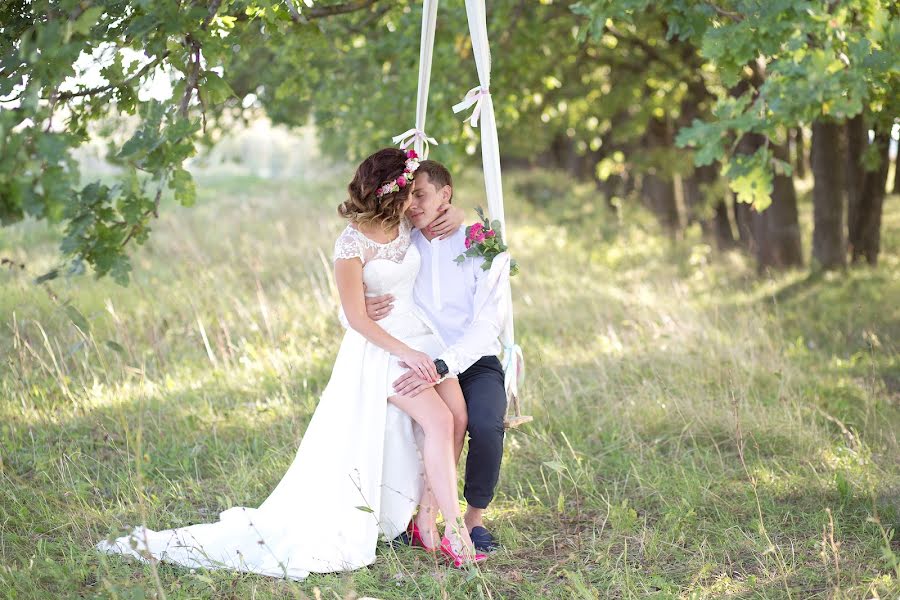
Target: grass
(699, 431)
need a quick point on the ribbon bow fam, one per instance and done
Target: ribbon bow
(410, 136)
(473, 96)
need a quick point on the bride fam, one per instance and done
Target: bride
(359, 470)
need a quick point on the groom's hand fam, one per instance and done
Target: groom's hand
(379, 307)
(411, 385)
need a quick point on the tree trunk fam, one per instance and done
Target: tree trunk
(742, 219)
(776, 230)
(828, 249)
(855, 175)
(721, 226)
(714, 221)
(660, 195)
(658, 187)
(743, 213)
(865, 226)
(694, 202)
(799, 153)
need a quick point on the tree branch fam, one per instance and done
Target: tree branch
(726, 13)
(193, 45)
(317, 12)
(105, 88)
(138, 226)
(361, 27)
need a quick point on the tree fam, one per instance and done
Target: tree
(45, 116)
(803, 61)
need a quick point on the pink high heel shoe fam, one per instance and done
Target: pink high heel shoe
(457, 560)
(415, 538)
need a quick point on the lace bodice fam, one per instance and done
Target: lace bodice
(395, 274)
(354, 244)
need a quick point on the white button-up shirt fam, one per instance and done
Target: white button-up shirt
(449, 293)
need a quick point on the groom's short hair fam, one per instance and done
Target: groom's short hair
(437, 174)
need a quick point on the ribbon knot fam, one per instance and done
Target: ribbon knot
(410, 136)
(474, 96)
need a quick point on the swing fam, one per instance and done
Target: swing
(479, 97)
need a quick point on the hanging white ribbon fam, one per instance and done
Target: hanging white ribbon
(417, 137)
(490, 155)
(513, 364)
(420, 140)
(474, 96)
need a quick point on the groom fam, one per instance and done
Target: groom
(446, 292)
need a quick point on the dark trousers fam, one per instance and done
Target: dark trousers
(483, 388)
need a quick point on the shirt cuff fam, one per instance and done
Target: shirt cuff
(450, 359)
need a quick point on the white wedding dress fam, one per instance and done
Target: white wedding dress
(358, 472)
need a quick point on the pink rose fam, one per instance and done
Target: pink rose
(475, 229)
(468, 243)
(411, 154)
(401, 181)
(479, 237)
(489, 233)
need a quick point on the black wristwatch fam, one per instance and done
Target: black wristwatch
(441, 367)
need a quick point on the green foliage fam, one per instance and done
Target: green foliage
(47, 45)
(803, 61)
(750, 178)
(606, 82)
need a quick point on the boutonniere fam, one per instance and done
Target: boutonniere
(484, 239)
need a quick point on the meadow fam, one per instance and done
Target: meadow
(700, 430)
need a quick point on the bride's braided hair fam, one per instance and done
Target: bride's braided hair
(363, 206)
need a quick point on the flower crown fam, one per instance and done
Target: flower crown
(394, 185)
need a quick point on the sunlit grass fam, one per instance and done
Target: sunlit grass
(699, 430)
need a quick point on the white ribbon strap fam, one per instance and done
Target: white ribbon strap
(409, 137)
(514, 369)
(473, 96)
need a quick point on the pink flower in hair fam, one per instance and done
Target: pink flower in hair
(411, 154)
(401, 181)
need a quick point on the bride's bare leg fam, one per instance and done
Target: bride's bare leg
(426, 519)
(436, 420)
(452, 395)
